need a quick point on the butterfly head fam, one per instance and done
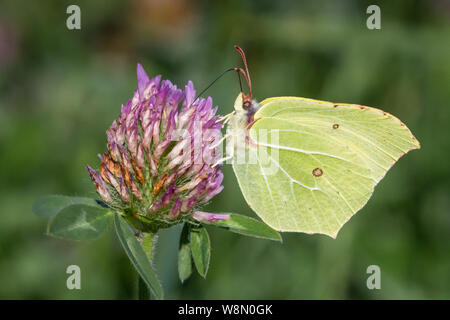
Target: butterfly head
(244, 105)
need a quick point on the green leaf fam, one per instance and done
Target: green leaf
(247, 226)
(49, 206)
(184, 255)
(143, 291)
(137, 256)
(148, 242)
(200, 248)
(80, 222)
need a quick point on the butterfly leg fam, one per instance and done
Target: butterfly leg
(226, 118)
(220, 161)
(229, 147)
(219, 142)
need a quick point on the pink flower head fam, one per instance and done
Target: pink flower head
(161, 155)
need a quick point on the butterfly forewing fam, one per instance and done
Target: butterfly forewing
(317, 162)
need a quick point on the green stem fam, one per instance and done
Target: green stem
(148, 242)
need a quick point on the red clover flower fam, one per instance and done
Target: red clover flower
(159, 166)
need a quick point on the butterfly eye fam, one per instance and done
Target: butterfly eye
(246, 105)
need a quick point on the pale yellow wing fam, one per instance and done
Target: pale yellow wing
(316, 163)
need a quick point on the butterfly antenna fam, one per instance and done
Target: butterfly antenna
(214, 81)
(245, 73)
(239, 77)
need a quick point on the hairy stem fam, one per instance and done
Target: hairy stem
(148, 242)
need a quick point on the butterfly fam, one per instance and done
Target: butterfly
(307, 165)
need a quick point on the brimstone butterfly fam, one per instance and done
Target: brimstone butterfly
(307, 165)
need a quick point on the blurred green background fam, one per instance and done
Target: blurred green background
(60, 90)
